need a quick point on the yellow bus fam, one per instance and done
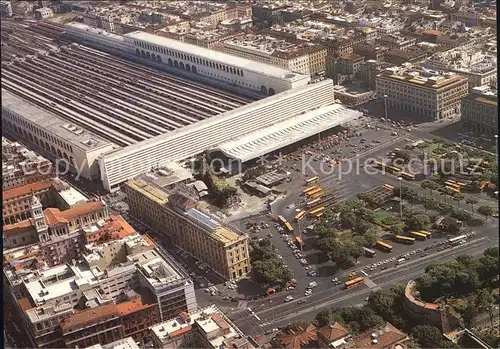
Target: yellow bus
(419, 236)
(354, 282)
(313, 192)
(313, 202)
(318, 195)
(282, 219)
(452, 184)
(312, 180)
(383, 245)
(407, 176)
(404, 239)
(305, 191)
(300, 215)
(393, 169)
(317, 211)
(483, 185)
(429, 235)
(453, 189)
(388, 187)
(289, 227)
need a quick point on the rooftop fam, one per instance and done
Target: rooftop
(77, 136)
(223, 58)
(26, 189)
(424, 78)
(380, 338)
(125, 343)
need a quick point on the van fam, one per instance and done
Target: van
(363, 272)
(401, 260)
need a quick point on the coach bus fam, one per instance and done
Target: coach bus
(369, 252)
(419, 236)
(317, 211)
(383, 245)
(354, 282)
(404, 239)
(313, 192)
(319, 194)
(407, 176)
(289, 227)
(300, 215)
(312, 180)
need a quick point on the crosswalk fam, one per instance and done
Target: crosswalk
(370, 283)
(242, 305)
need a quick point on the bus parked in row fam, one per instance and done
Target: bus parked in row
(404, 239)
(369, 252)
(312, 180)
(383, 245)
(289, 227)
(418, 235)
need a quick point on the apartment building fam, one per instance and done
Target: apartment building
(301, 57)
(21, 166)
(480, 111)
(57, 303)
(348, 64)
(206, 328)
(125, 343)
(397, 42)
(428, 96)
(188, 224)
(16, 201)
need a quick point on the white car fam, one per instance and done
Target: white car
(288, 298)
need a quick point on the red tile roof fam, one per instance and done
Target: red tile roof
(386, 337)
(220, 321)
(54, 215)
(181, 331)
(297, 337)
(89, 315)
(132, 306)
(333, 332)
(26, 189)
(19, 227)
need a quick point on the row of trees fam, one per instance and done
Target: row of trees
(267, 268)
(458, 278)
(352, 215)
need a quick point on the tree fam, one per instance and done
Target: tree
(486, 211)
(431, 185)
(418, 222)
(428, 336)
(396, 229)
(471, 201)
(458, 197)
(403, 155)
(271, 273)
(354, 250)
(485, 301)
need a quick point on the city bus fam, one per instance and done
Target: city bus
(393, 169)
(282, 219)
(313, 202)
(369, 252)
(419, 236)
(383, 245)
(317, 211)
(452, 184)
(404, 239)
(429, 235)
(312, 180)
(456, 240)
(453, 189)
(354, 282)
(305, 191)
(299, 241)
(315, 191)
(319, 194)
(300, 215)
(289, 227)
(407, 176)
(388, 187)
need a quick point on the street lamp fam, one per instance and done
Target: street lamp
(400, 179)
(300, 232)
(385, 108)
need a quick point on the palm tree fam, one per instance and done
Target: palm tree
(458, 197)
(471, 201)
(444, 191)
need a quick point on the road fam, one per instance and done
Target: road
(276, 313)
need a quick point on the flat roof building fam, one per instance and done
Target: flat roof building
(429, 96)
(190, 226)
(480, 111)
